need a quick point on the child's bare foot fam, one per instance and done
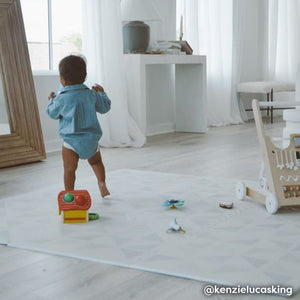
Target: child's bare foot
(103, 189)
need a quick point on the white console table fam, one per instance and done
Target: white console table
(176, 95)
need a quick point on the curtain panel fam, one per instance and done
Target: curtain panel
(208, 26)
(102, 46)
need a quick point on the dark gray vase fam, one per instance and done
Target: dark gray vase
(136, 35)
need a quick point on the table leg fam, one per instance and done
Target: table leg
(271, 106)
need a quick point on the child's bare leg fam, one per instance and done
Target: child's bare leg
(70, 159)
(99, 170)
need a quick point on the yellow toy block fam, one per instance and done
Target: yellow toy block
(75, 216)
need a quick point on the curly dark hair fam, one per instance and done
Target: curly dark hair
(73, 69)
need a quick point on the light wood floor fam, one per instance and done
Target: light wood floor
(231, 151)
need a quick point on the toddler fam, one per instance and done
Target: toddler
(76, 108)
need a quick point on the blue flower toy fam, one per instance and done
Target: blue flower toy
(171, 203)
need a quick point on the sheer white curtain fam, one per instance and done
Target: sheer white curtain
(102, 46)
(284, 39)
(208, 26)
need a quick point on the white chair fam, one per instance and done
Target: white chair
(267, 88)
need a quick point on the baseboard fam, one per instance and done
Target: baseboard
(160, 128)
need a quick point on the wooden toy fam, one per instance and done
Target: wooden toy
(74, 205)
(279, 180)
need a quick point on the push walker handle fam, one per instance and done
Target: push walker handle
(279, 104)
(258, 121)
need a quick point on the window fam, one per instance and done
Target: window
(53, 30)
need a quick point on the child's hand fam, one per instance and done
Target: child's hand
(98, 88)
(51, 96)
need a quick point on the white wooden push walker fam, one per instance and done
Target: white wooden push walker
(279, 180)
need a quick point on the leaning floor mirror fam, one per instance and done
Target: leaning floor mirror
(21, 139)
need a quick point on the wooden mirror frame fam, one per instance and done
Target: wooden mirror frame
(25, 143)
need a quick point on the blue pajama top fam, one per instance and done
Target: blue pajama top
(76, 108)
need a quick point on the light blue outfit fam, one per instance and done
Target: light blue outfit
(76, 108)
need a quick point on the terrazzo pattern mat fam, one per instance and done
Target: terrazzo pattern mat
(240, 246)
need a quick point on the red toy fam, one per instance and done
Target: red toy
(74, 205)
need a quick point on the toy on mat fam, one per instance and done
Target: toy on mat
(173, 204)
(75, 205)
(225, 205)
(93, 216)
(175, 227)
(279, 180)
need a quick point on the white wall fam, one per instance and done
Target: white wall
(165, 29)
(167, 12)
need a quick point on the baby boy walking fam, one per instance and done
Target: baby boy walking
(76, 108)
